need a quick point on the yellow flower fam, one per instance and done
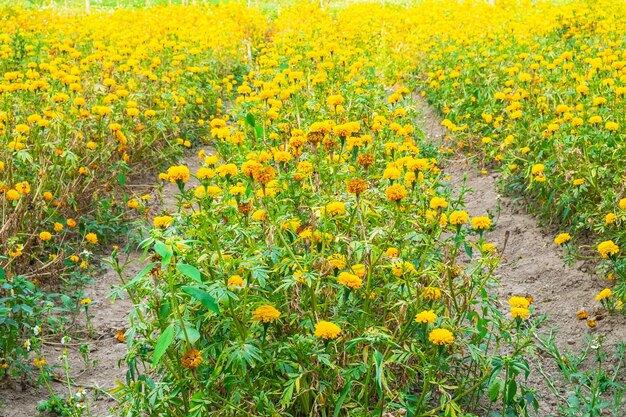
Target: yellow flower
(359, 270)
(427, 316)
(520, 302)
(356, 186)
(133, 204)
(235, 281)
(337, 261)
(537, 169)
(481, 223)
(178, 173)
(579, 181)
(622, 203)
(191, 359)
(520, 312)
(335, 100)
(392, 252)
(162, 221)
(611, 126)
(327, 330)
(562, 238)
(58, 227)
(45, 236)
(349, 280)
(431, 293)
(266, 313)
(85, 301)
(458, 217)
(604, 294)
(12, 195)
(441, 337)
(438, 202)
(259, 216)
(91, 238)
(607, 249)
(396, 192)
(336, 208)
(610, 218)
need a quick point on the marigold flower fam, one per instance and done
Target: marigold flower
(12, 195)
(458, 217)
(327, 330)
(392, 252)
(336, 208)
(365, 160)
(178, 173)
(259, 216)
(562, 238)
(520, 312)
(437, 203)
(520, 302)
(396, 192)
(582, 315)
(441, 337)
(162, 221)
(235, 281)
(191, 359)
(349, 280)
(481, 223)
(91, 238)
(431, 293)
(86, 301)
(337, 261)
(604, 294)
(607, 249)
(427, 316)
(610, 218)
(45, 236)
(356, 186)
(266, 313)
(264, 175)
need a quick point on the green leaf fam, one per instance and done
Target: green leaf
(190, 271)
(121, 178)
(250, 119)
(164, 252)
(140, 275)
(165, 340)
(192, 333)
(204, 297)
(494, 390)
(378, 361)
(342, 397)
(258, 131)
(468, 249)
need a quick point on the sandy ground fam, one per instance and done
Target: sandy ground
(108, 317)
(532, 265)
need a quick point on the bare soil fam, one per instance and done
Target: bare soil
(532, 265)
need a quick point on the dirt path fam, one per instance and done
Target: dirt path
(108, 317)
(531, 264)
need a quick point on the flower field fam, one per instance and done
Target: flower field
(315, 258)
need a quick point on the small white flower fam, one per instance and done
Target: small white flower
(37, 330)
(65, 340)
(27, 345)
